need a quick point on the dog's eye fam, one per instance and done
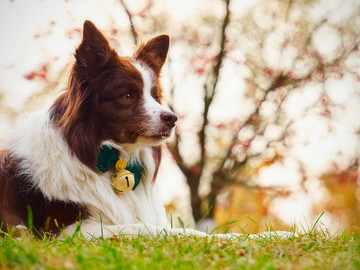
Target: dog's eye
(127, 96)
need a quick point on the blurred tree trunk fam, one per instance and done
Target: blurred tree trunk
(193, 180)
(217, 184)
(194, 173)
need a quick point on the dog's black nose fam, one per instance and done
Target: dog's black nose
(169, 118)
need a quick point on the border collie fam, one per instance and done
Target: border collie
(61, 165)
(91, 159)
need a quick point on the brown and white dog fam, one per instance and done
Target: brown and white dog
(49, 171)
(48, 168)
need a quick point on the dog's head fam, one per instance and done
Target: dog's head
(112, 97)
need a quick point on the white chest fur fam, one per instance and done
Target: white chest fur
(58, 174)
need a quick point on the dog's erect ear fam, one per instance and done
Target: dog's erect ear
(154, 52)
(94, 51)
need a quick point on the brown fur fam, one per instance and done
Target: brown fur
(18, 196)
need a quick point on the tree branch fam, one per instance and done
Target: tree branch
(210, 93)
(130, 17)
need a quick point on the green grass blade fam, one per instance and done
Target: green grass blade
(30, 217)
(171, 221)
(181, 223)
(102, 228)
(316, 222)
(223, 225)
(254, 221)
(203, 217)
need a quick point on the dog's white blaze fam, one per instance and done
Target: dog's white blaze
(151, 106)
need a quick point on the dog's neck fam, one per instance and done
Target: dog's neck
(126, 151)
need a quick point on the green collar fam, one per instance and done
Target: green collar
(107, 158)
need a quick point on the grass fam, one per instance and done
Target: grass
(311, 250)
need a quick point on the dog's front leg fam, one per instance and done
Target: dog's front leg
(93, 229)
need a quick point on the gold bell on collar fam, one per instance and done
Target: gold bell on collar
(122, 181)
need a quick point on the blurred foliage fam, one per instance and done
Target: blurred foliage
(276, 48)
(342, 199)
(250, 204)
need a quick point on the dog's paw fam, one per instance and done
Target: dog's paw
(184, 232)
(278, 234)
(227, 236)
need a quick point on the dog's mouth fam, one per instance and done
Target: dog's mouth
(158, 137)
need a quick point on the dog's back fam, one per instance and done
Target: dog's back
(23, 204)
